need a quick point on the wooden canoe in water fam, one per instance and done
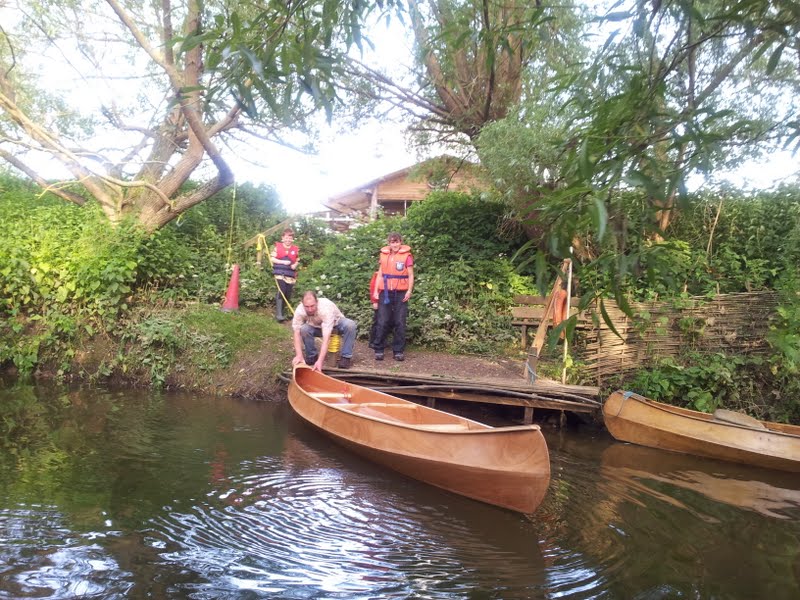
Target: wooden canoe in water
(504, 466)
(725, 435)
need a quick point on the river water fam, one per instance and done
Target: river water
(133, 494)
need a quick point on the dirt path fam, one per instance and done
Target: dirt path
(253, 376)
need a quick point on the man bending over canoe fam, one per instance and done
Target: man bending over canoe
(319, 317)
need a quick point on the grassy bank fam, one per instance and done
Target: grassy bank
(196, 346)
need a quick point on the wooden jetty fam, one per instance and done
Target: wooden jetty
(541, 394)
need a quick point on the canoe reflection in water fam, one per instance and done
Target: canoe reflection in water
(768, 492)
(386, 524)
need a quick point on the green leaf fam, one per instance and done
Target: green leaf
(599, 215)
(584, 164)
(774, 58)
(607, 319)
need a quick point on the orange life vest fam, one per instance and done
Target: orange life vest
(393, 269)
(559, 308)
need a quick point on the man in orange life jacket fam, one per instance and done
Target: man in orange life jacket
(395, 282)
(284, 258)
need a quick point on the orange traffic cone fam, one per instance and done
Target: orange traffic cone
(232, 295)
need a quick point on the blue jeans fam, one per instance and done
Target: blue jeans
(345, 328)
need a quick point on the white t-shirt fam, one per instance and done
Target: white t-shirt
(326, 317)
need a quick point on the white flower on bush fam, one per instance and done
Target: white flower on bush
(323, 276)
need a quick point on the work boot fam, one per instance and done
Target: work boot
(343, 362)
(379, 356)
(279, 309)
(399, 356)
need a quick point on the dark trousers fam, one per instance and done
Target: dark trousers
(373, 330)
(392, 319)
(286, 288)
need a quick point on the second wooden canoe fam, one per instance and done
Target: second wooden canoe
(503, 466)
(724, 435)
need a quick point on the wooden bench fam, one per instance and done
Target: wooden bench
(529, 311)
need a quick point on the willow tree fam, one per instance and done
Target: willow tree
(679, 89)
(472, 62)
(205, 74)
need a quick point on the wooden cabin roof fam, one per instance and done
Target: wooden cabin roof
(397, 189)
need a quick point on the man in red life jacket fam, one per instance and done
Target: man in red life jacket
(395, 282)
(284, 258)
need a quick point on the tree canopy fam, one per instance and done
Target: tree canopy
(185, 78)
(564, 108)
(674, 91)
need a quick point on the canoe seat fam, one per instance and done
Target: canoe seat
(357, 405)
(737, 418)
(331, 397)
(445, 427)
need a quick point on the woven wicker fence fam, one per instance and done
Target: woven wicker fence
(735, 323)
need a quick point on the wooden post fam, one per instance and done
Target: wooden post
(566, 314)
(541, 331)
(528, 415)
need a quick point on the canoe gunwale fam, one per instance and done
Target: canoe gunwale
(397, 423)
(705, 418)
(632, 418)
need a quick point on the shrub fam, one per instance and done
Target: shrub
(464, 279)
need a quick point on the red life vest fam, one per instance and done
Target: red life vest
(283, 253)
(373, 285)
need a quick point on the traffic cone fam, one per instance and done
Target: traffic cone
(232, 295)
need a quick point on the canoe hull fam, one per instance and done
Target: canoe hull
(507, 466)
(633, 418)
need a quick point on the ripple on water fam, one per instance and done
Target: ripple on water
(42, 558)
(315, 529)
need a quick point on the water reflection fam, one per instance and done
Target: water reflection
(647, 471)
(131, 495)
(184, 496)
(309, 521)
(658, 525)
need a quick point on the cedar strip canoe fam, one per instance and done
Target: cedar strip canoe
(503, 466)
(725, 435)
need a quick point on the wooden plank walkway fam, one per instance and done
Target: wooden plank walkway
(542, 394)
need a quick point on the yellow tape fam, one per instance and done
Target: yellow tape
(335, 343)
